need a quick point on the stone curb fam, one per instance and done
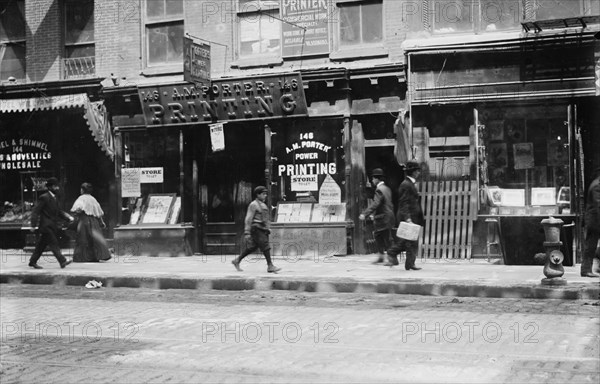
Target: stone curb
(575, 291)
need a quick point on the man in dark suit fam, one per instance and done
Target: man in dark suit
(46, 216)
(409, 210)
(382, 210)
(592, 227)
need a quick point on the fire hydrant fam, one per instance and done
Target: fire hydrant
(553, 268)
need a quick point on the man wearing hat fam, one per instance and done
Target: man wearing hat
(257, 230)
(382, 210)
(409, 209)
(592, 228)
(46, 216)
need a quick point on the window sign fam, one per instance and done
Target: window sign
(130, 182)
(151, 175)
(23, 154)
(217, 137)
(330, 192)
(306, 29)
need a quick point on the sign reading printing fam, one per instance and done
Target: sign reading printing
(151, 175)
(306, 30)
(304, 183)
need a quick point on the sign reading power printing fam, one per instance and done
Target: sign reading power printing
(306, 31)
(225, 100)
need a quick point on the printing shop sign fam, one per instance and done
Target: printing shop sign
(224, 100)
(23, 154)
(306, 31)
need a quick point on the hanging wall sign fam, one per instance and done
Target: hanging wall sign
(225, 100)
(23, 154)
(306, 29)
(196, 62)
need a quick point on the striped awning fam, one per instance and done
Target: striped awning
(43, 103)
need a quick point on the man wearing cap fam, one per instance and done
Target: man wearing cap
(46, 216)
(592, 227)
(382, 210)
(409, 209)
(257, 229)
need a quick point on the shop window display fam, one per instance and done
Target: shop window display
(526, 160)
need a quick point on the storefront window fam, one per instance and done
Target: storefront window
(308, 173)
(151, 177)
(526, 168)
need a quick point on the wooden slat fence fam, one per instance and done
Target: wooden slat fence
(450, 208)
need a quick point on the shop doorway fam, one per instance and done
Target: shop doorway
(226, 179)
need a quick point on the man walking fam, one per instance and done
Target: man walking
(592, 227)
(382, 210)
(257, 230)
(46, 215)
(409, 210)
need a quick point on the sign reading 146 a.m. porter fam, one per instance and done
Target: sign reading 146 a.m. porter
(236, 99)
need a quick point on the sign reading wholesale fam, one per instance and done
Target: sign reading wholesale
(224, 100)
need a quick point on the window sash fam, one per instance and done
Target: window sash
(79, 22)
(164, 43)
(12, 22)
(259, 34)
(12, 60)
(356, 27)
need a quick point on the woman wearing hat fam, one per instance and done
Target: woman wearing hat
(382, 210)
(409, 209)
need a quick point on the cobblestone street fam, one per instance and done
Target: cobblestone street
(67, 335)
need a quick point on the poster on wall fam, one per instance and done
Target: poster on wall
(523, 155)
(305, 30)
(130, 182)
(330, 192)
(217, 137)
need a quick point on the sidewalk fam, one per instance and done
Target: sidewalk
(353, 273)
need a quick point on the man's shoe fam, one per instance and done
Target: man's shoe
(589, 274)
(392, 260)
(236, 264)
(378, 261)
(67, 262)
(273, 269)
(414, 268)
(36, 266)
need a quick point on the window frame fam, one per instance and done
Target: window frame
(160, 21)
(75, 45)
(7, 42)
(241, 13)
(358, 3)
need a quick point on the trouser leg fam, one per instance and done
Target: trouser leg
(591, 241)
(412, 248)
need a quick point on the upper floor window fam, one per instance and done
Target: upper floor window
(80, 50)
(475, 15)
(164, 32)
(259, 28)
(561, 9)
(360, 23)
(12, 39)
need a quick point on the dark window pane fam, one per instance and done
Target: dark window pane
(174, 7)
(497, 15)
(371, 23)
(349, 25)
(453, 16)
(155, 8)
(165, 43)
(79, 22)
(12, 22)
(13, 61)
(557, 9)
(80, 51)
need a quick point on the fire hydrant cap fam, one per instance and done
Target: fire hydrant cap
(552, 221)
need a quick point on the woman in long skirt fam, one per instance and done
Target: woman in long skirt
(91, 245)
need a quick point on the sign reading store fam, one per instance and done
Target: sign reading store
(224, 100)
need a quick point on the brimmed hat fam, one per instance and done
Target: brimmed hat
(411, 166)
(51, 181)
(378, 172)
(260, 189)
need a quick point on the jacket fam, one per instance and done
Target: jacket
(592, 207)
(46, 213)
(409, 205)
(381, 208)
